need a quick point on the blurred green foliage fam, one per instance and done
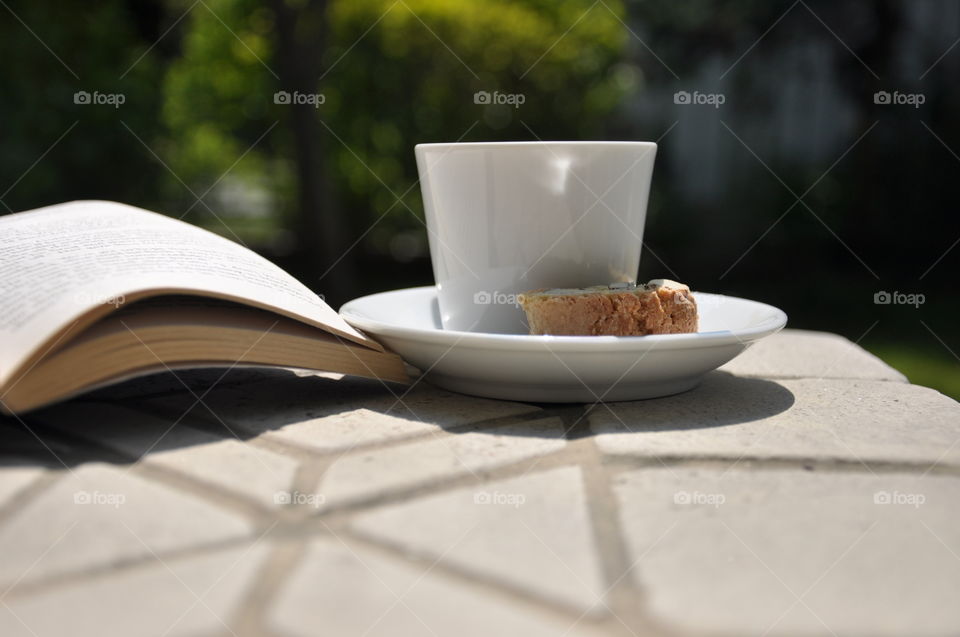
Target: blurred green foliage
(53, 148)
(396, 74)
(201, 136)
(932, 366)
(216, 92)
(413, 78)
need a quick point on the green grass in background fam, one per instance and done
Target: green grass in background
(922, 366)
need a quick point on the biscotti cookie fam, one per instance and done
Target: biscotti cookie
(658, 307)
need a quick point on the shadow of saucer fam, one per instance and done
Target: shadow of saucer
(721, 399)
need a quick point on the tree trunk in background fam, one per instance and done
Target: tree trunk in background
(319, 226)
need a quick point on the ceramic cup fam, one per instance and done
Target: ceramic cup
(507, 217)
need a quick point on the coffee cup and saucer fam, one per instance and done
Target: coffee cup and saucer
(507, 217)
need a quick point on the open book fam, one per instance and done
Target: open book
(94, 292)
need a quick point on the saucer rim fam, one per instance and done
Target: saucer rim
(771, 325)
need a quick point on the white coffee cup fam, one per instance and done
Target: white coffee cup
(507, 217)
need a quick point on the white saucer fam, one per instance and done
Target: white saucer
(560, 368)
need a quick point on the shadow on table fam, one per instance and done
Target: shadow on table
(721, 399)
(162, 412)
(172, 410)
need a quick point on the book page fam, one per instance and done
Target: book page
(57, 264)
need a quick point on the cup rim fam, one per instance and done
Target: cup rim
(532, 144)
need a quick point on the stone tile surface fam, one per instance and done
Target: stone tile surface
(732, 553)
(226, 463)
(98, 516)
(733, 417)
(806, 354)
(532, 533)
(437, 458)
(803, 491)
(352, 592)
(323, 414)
(14, 479)
(182, 597)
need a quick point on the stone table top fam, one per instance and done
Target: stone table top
(803, 489)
